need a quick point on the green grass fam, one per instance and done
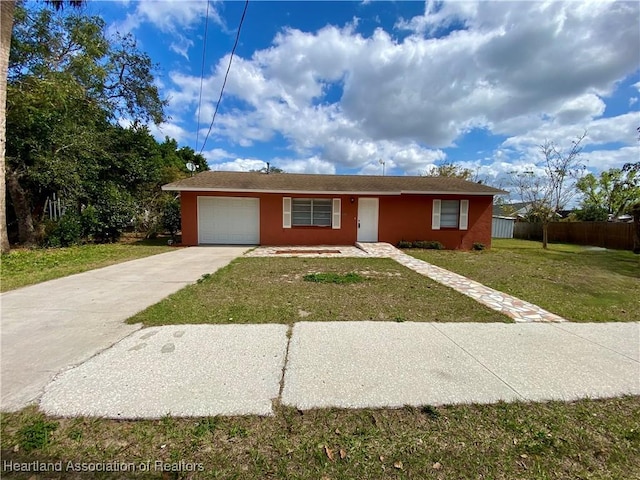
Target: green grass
(273, 290)
(22, 267)
(575, 282)
(333, 278)
(587, 439)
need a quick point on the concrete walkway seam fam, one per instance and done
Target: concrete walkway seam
(480, 362)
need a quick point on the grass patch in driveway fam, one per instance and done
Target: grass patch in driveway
(273, 290)
(582, 439)
(578, 283)
(22, 267)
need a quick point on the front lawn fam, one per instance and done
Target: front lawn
(595, 439)
(22, 267)
(274, 290)
(579, 283)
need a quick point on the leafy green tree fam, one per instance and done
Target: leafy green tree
(171, 216)
(613, 191)
(592, 213)
(67, 84)
(7, 9)
(635, 207)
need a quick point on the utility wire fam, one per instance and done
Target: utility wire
(233, 50)
(204, 53)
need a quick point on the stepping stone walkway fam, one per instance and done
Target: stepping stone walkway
(513, 307)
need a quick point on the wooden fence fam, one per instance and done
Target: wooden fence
(598, 234)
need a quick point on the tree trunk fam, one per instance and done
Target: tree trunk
(636, 228)
(545, 235)
(26, 231)
(7, 8)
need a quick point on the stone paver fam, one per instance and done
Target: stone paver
(182, 370)
(328, 251)
(513, 307)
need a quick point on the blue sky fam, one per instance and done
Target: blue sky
(335, 87)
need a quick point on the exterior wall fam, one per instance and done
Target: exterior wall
(406, 217)
(271, 230)
(272, 233)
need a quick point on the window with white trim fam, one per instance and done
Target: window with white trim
(311, 212)
(449, 213)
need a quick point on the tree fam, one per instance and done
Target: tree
(7, 9)
(549, 193)
(6, 19)
(68, 83)
(269, 169)
(451, 170)
(635, 207)
(613, 192)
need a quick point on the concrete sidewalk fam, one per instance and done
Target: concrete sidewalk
(48, 327)
(196, 370)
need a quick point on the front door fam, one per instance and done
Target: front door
(367, 219)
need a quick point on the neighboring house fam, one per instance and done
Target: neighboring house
(520, 211)
(297, 209)
(512, 210)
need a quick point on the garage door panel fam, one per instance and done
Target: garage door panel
(228, 220)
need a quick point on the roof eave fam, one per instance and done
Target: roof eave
(178, 188)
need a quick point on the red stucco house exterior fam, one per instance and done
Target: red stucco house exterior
(299, 209)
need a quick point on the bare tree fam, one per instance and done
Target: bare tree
(451, 170)
(550, 192)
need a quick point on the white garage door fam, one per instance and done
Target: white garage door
(229, 220)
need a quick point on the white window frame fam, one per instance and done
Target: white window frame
(334, 215)
(435, 215)
(463, 215)
(286, 212)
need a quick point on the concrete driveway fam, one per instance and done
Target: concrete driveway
(51, 326)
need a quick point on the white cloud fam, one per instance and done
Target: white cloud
(177, 18)
(309, 165)
(181, 46)
(238, 165)
(216, 154)
(633, 101)
(527, 70)
(171, 130)
(172, 15)
(599, 160)
(580, 109)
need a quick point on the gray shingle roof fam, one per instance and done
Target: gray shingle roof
(308, 183)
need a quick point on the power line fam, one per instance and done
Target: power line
(204, 53)
(233, 50)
